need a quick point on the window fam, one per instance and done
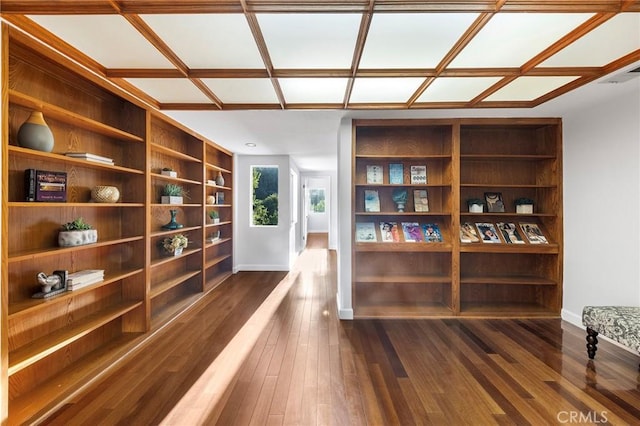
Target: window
(265, 195)
(316, 198)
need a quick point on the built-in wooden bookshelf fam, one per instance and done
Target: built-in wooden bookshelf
(465, 158)
(55, 345)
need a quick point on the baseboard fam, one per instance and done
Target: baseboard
(265, 268)
(572, 318)
(343, 313)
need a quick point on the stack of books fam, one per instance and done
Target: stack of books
(81, 279)
(90, 157)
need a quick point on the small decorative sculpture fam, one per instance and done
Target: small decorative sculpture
(399, 197)
(50, 282)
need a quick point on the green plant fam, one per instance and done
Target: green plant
(77, 225)
(213, 214)
(167, 169)
(521, 201)
(477, 201)
(174, 190)
(177, 241)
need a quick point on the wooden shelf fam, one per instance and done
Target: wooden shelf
(172, 153)
(405, 279)
(506, 310)
(168, 284)
(55, 251)
(404, 156)
(217, 168)
(402, 311)
(217, 260)
(65, 116)
(39, 349)
(168, 259)
(171, 311)
(164, 232)
(508, 157)
(403, 247)
(217, 242)
(507, 280)
(63, 159)
(175, 179)
(509, 248)
(32, 204)
(33, 306)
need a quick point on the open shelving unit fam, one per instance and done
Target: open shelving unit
(56, 345)
(519, 158)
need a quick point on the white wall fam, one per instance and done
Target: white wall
(319, 222)
(261, 248)
(343, 298)
(601, 199)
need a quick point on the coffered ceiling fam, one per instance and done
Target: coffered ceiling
(331, 54)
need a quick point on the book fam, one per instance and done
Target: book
(420, 200)
(366, 232)
(468, 233)
(494, 202)
(488, 233)
(389, 232)
(396, 174)
(431, 233)
(412, 232)
(219, 197)
(533, 233)
(89, 156)
(85, 275)
(510, 233)
(72, 287)
(371, 200)
(43, 185)
(375, 174)
(418, 175)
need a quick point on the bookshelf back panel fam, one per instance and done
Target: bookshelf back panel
(508, 295)
(385, 264)
(375, 294)
(507, 172)
(168, 136)
(497, 265)
(41, 78)
(438, 170)
(403, 140)
(508, 139)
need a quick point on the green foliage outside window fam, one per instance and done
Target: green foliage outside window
(265, 195)
(317, 200)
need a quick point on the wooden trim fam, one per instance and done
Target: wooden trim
(4, 226)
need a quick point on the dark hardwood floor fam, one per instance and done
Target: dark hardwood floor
(308, 368)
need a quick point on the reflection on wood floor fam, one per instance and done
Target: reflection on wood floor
(308, 368)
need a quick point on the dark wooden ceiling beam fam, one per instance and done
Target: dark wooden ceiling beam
(264, 52)
(363, 31)
(464, 40)
(61, 7)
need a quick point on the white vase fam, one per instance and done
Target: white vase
(167, 199)
(77, 238)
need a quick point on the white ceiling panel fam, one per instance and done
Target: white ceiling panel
(459, 89)
(377, 90)
(310, 40)
(313, 90)
(170, 90)
(209, 40)
(108, 39)
(242, 90)
(613, 39)
(412, 40)
(511, 39)
(528, 88)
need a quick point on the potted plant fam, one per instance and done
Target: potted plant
(475, 205)
(214, 216)
(173, 194)
(524, 205)
(77, 233)
(168, 171)
(175, 244)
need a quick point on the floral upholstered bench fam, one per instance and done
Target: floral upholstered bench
(619, 323)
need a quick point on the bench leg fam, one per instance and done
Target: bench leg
(592, 342)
